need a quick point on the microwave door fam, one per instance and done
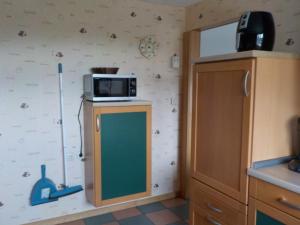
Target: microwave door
(111, 87)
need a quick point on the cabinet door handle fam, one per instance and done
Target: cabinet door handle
(210, 206)
(245, 83)
(97, 124)
(212, 221)
(285, 202)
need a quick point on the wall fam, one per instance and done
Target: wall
(36, 35)
(286, 15)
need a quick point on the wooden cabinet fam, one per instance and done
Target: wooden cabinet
(216, 205)
(263, 214)
(222, 99)
(201, 217)
(272, 205)
(118, 155)
(277, 197)
(243, 110)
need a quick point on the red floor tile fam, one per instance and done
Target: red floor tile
(173, 202)
(119, 215)
(163, 217)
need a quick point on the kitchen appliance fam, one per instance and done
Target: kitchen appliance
(295, 163)
(255, 31)
(109, 87)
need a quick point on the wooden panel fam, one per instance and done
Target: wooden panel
(221, 126)
(274, 195)
(200, 216)
(277, 215)
(217, 204)
(191, 51)
(97, 153)
(89, 152)
(277, 108)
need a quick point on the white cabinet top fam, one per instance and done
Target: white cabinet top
(122, 103)
(278, 175)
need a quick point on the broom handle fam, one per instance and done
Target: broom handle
(60, 72)
(43, 171)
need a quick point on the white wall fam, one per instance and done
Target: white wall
(30, 135)
(286, 15)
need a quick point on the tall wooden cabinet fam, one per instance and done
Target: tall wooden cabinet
(117, 151)
(237, 118)
(222, 100)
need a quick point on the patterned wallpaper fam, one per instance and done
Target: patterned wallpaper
(36, 35)
(286, 15)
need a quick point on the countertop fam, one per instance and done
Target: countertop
(247, 54)
(121, 103)
(279, 175)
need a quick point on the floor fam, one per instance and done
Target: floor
(168, 212)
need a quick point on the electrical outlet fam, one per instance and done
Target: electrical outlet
(175, 61)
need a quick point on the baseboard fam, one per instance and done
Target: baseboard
(103, 210)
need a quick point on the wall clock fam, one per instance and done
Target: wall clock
(148, 46)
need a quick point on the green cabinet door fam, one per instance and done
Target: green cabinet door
(123, 154)
(263, 219)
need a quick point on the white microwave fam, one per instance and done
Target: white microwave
(109, 87)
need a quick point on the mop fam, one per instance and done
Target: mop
(44, 190)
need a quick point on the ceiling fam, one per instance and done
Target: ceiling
(174, 2)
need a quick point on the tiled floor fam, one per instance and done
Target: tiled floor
(169, 212)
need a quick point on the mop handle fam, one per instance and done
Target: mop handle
(59, 68)
(60, 72)
(43, 171)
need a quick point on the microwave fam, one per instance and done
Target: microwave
(109, 87)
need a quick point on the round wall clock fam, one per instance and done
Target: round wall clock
(148, 46)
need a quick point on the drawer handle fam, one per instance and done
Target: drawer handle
(210, 206)
(285, 202)
(212, 221)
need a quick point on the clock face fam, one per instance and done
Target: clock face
(148, 47)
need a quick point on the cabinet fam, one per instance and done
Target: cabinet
(117, 150)
(244, 108)
(263, 214)
(222, 99)
(200, 217)
(216, 205)
(270, 204)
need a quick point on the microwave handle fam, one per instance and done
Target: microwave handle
(129, 81)
(97, 123)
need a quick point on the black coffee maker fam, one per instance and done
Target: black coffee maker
(255, 31)
(295, 163)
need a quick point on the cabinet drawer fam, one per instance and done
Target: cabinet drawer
(201, 217)
(217, 204)
(282, 199)
(263, 214)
